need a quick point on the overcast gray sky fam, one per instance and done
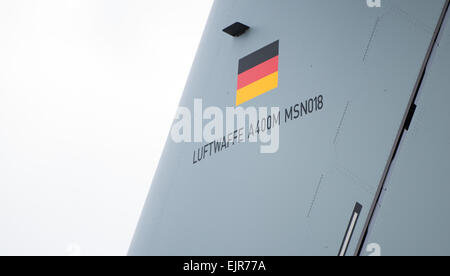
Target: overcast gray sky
(88, 91)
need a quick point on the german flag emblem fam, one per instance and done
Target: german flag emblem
(258, 73)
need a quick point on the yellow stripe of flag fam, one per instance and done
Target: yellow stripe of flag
(257, 88)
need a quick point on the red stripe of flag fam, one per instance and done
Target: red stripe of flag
(258, 72)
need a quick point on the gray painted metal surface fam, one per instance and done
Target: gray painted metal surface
(298, 201)
(412, 216)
